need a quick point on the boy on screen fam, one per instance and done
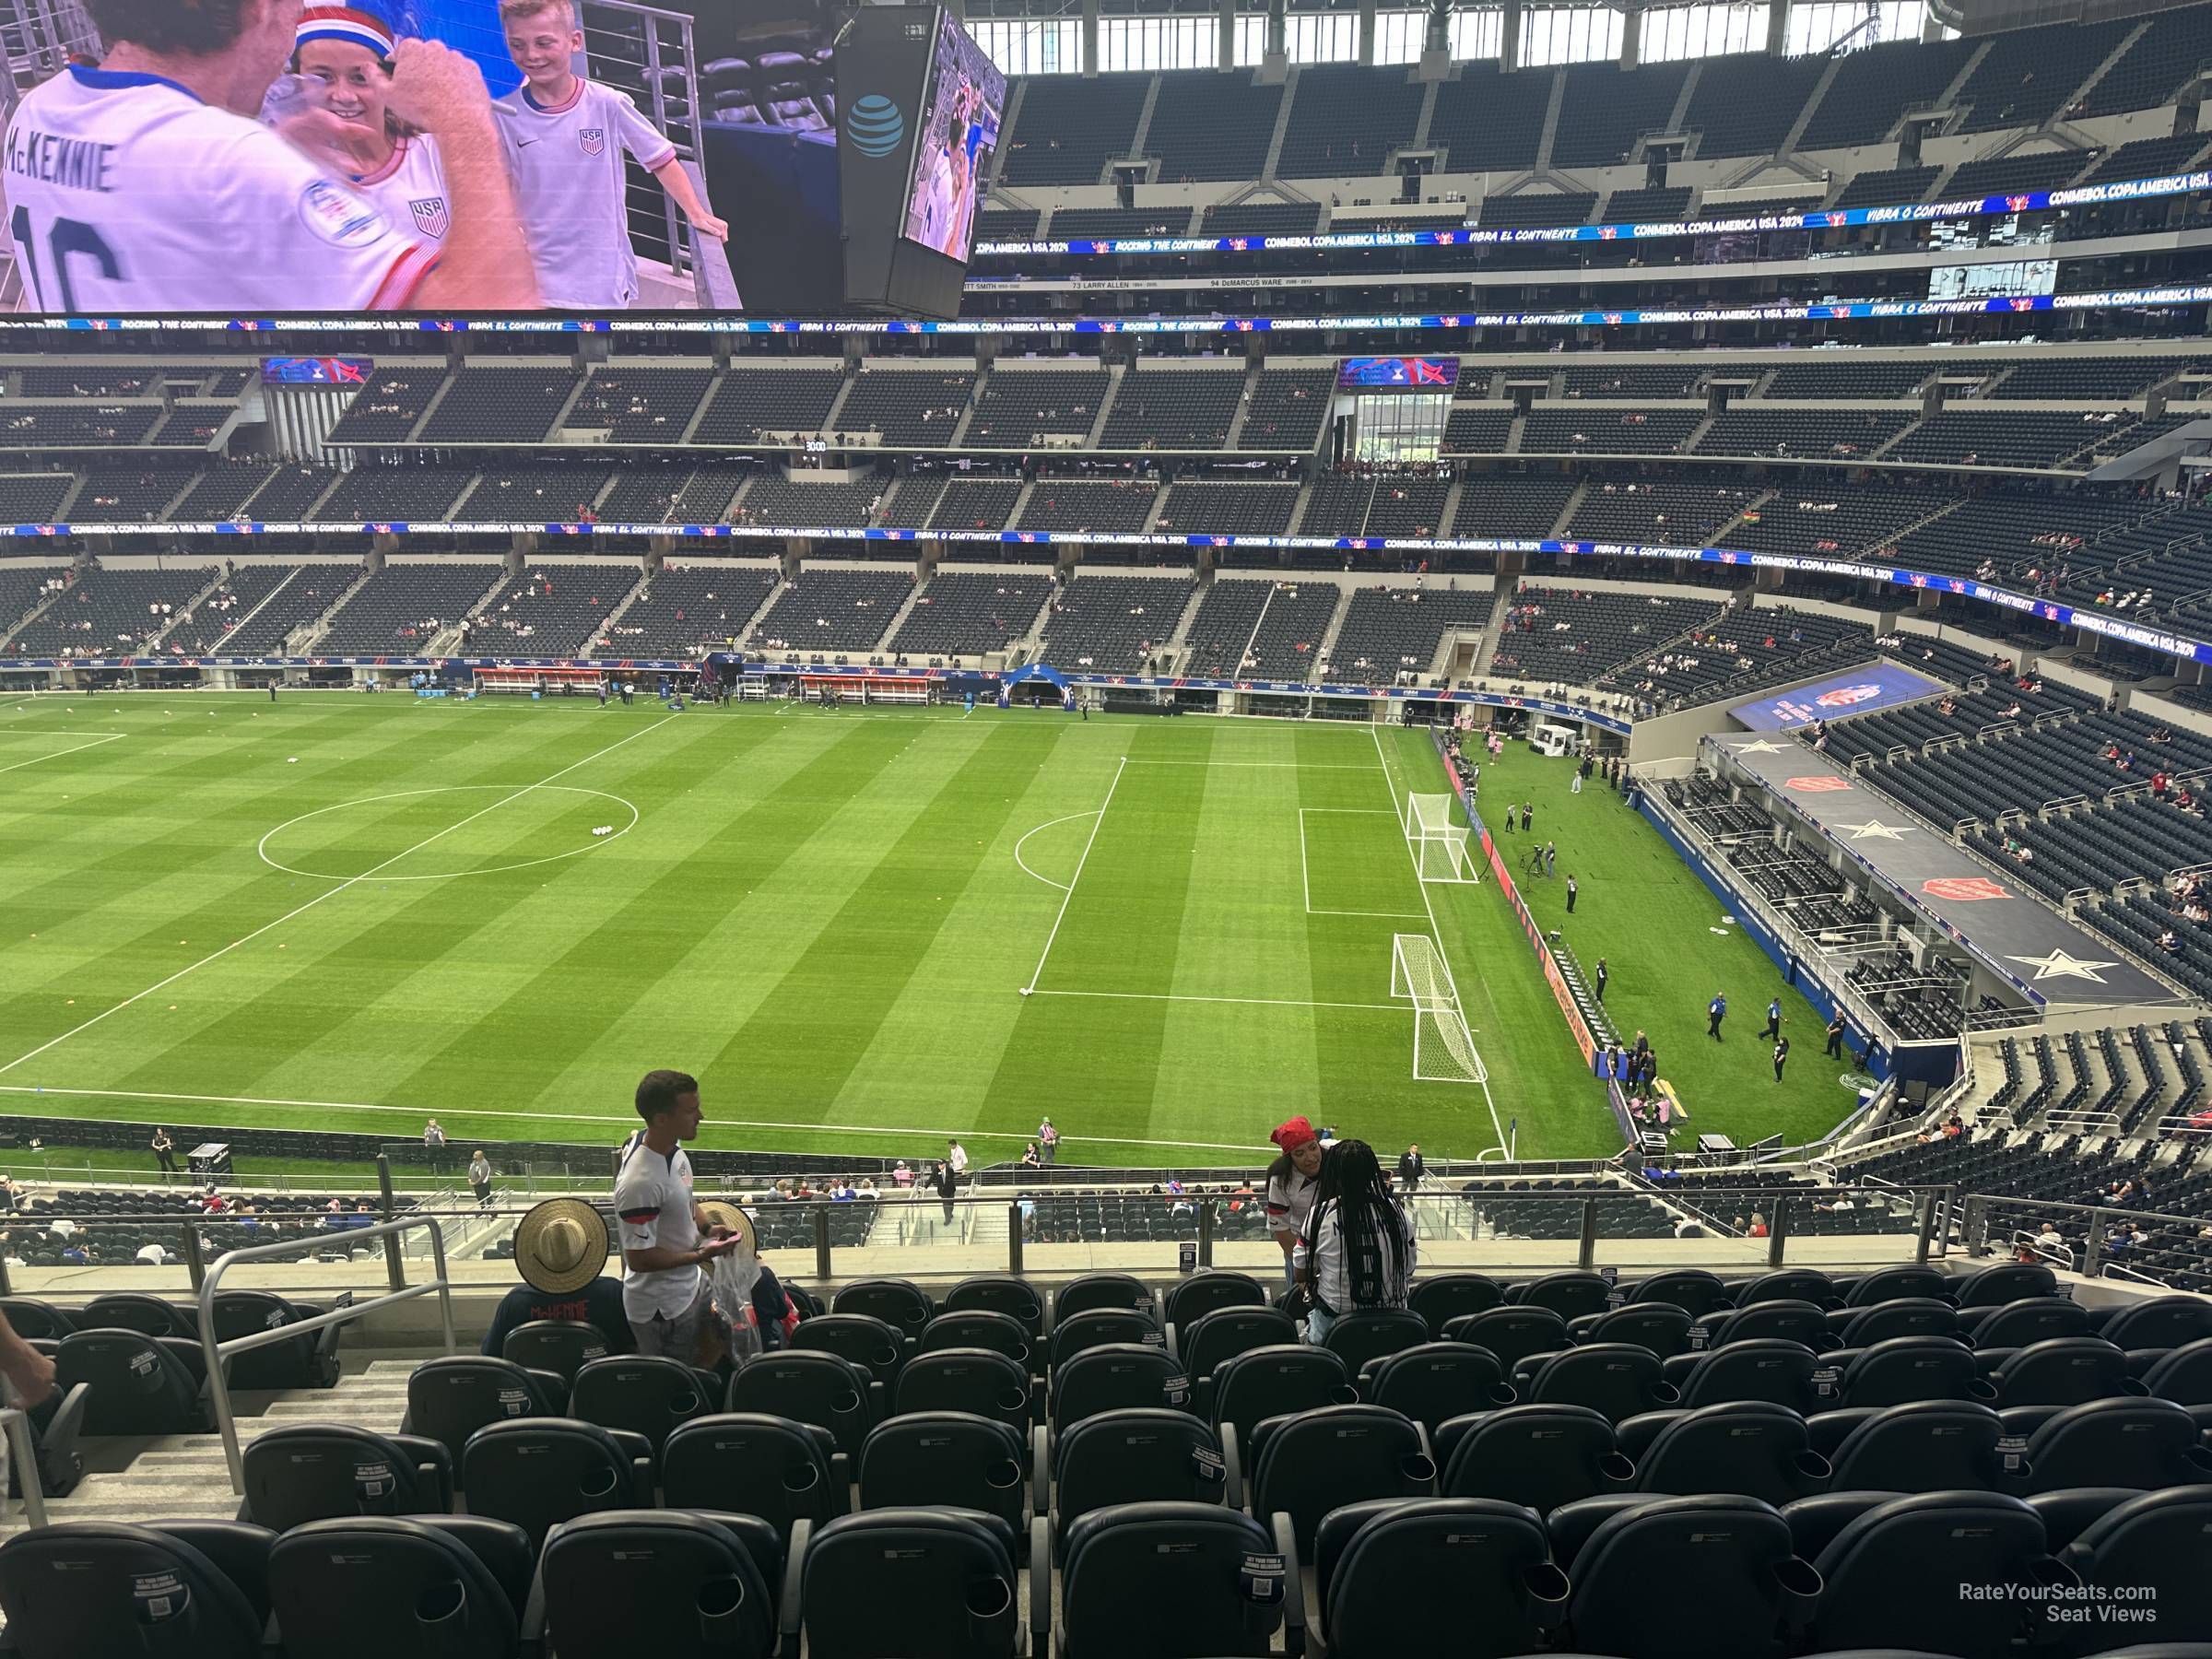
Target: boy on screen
(565, 138)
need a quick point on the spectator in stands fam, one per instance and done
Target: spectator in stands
(2050, 1237)
(900, 1175)
(560, 1250)
(1048, 1142)
(666, 1294)
(165, 1151)
(1293, 1181)
(479, 1178)
(946, 1185)
(956, 1160)
(1356, 1250)
(1030, 1158)
(1411, 1167)
(153, 1255)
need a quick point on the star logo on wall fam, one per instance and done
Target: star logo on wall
(1762, 747)
(2059, 965)
(1877, 831)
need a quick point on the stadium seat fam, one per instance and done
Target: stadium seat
(1095, 1290)
(72, 1589)
(835, 1394)
(1141, 1456)
(1924, 1445)
(918, 1583)
(999, 1293)
(1097, 1326)
(1367, 1334)
(1451, 1296)
(1117, 1377)
(1694, 1290)
(1190, 1300)
(541, 1471)
(1199, 1596)
(393, 1584)
(1511, 1333)
(1904, 1316)
(948, 1458)
(980, 1328)
(1780, 1319)
(2155, 1538)
(34, 1320)
(647, 1394)
(135, 1311)
(1727, 1557)
(2161, 1322)
(1541, 1456)
(1616, 1379)
(309, 1360)
(563, 1346)
(1892, 1576)
(1436, 1381)
(1659, 1326)
(1786, 1284)
(1272, 1382)
(1765, 1367)
(2063, 1370)
(304, 1472)
(138, 1384)
(1307, 1464)
(2006, 1282)
(2129, 1442)
(978, 1380)
(55, 1424)
(1898, 1368)
(1469, 1576)
(1888, 1284)
(2182, 1375)
(778, 1468)
(859, 1337)
(1569, 1294)
(903, 1306)
(661, 1582)
(449, 1398)
(1751, 1449)
(1206, 1341)
(2017, 1323)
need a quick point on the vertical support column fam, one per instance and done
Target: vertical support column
(1014, 1237)
(1278, 29)
(821, 1240)
(1777, 27)
(396, 1267)
(1090, 37)
(1585, 1255)
(1778, 1232)
(1631, 38)
(1226, 53)
(1367, 31)
(1438, 35)
(1509, 35)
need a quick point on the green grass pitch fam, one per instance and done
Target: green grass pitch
(349, 912)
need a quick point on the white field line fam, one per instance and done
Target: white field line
(1087, 844)
(417, 1111)
(332, 893)
(1068, 817)
(1390, 786)
(79, 749)
(1252, 1002)
(1269, 765)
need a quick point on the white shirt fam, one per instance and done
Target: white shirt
(1290, 1200)
(959, 1158)
(653, 1204)
(1331, 1284)
(153, 1253)
(568, 179)
(127, 193)
(410, 189)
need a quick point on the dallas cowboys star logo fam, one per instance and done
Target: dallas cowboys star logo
(2059, 965)
(1763, 748)
(1877, 831)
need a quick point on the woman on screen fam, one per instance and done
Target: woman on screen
(345, 54)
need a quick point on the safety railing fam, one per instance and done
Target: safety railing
(1993, 1221)
(219, 1350)
(23, 1458)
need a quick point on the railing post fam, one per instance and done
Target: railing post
(1014, 1237)
(194, 1263)
(1587, 1253)
(6, 1289)
(1205, 1232)
(821, 1240)
(1778, 1231)
(2092, 1244)
(396, 1267)
(1974, 1228)
(1927, 1227)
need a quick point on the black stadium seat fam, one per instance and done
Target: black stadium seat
(978, 1380)
(1569, 1294)
(1542, 1457)
(2155, 1538)
(310, 1360)
(133, 1310)
(1141, 1456)
(1095, 1290)
(2130, 1442)
(1119, 1375)
(1782, 1319)
(950, 1458)
(1436, 1381)
(72, 1590)
(1511, 1333)
(2160, 1322)
(1948, 1444)
(138, 1384)
(1214, 1337)
(1752, 1449)
(980, 1328)
(1728, 1565)
(1167, 1579)
(1904, 1316)
(390, 1584)
(860, 1337)
(1273, 1381)
(1660, 1327)
(1366, 1334)
(1097, 1326)
(2182, 1375)
(1898, 1368)
(647, 1394)
(999, 1293)
(36, 1320)
(1468, 1576)
(1892, 1576)
(1786, 1284)
(662, 1581)
(1451, 1296)
(2006, 1282)
(900, 1304)
(563, 1346)
(782, 1470)
(542, 1471)
(1887, 1284)
(1694, 1290)
(1190, 1300)
(327, 1471)
(1613, 1378)
(836, 1395)
(1763, 1368)
(2030, 1319)
(449, 1399)
(918, 1583)
(1306, 1465)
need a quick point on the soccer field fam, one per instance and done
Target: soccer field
(351, 912)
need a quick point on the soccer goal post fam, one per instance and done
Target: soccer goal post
(1443, 1049)
(1440, 846)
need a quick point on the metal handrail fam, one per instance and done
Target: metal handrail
(24, 1456)
(218, 1387)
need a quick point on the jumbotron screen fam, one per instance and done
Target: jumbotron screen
(1397, 374)
(961, 114)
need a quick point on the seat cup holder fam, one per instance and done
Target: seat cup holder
(1982, 1389)
(1800, 1585)
(1617, 1469)
(989, 1598)
(1665, 1394)
(1503, 1393)
(1813, 1466)
(1420, 1467)
(1547, 1587)
(1005, 1476)
(802, 1478)
(1344, 1393)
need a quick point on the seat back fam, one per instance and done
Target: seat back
(1135, 1456)
(946, 1458)
(1189, 1559)
(1270, 1382)
(645, 1394)
(1660, 1327)
(36, 1320)
(1782, 1320)
(777, 1468)
(2063, 1370)
(1788, 1284)
(542, 1471)
(1892, 1576)
(1612, 1378)
(976, 1379)
(999, 1293)
(2030, 1319)
(451, 1397)
(139, 1385)
(1191, 1299)
(1751, 1450)
(75, 1588)
(1097, 1326)
(300, 1363)
(834, 1394)
(1912, 1368)
(2154, 1538)
(1212, 1337)
(2121, 1442)
(1761, 1368)
(1308, 1465)
(1406, 1579)
(135, 1311)
(2184, 1376)
(563, 1346)
(1900, 1316)
(1541, 1456)
(1435, 1382)
(1570, 1294)
(1728, 1557)
(905, 1307)
(1694, 1290)
(918, 1583)
(388, 1584)
(1367, 1334)
(1119, 1376)
(980, 1328)
(2005, 1282)
(1511, 1333)
(1095, 1290)
(656, 1581)
(1948, 1445)
(1450, 1296)
(860, 1337)
(2161, 1322)
(305, 1472)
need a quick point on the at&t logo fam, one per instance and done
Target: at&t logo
(875, 125)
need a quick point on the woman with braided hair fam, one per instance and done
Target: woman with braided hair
(1356, 1250)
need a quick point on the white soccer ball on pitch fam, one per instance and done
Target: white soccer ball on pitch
(291, 760)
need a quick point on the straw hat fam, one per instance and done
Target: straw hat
(721, 1213)
(560, 1246)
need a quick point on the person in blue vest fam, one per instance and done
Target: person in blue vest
(1773, 1019)
(1715, 1011)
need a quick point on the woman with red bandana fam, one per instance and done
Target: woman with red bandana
(1292, 1180)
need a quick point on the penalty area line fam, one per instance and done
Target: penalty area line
(1254, 1002)
(76, 749)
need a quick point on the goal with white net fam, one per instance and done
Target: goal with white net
(1443, 1049)
(1439, 846)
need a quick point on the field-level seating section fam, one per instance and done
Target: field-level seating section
(386, 410)
(638, 403)
(749, 402)
(556, 610)
(1214, 648)
(1576, 636)
(827, 609)
(681, 610)
(402, 608)
(314, 590)
(915, 407)
(1288, 407)
(1113, 623)
(1392, 631)
(971, 612)
(111, 613)
(206, 628)
(1075, 506)
(1024, 409)
(1173, 409)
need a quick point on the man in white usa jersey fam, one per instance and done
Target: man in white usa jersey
(147, 185)
(564, 138)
